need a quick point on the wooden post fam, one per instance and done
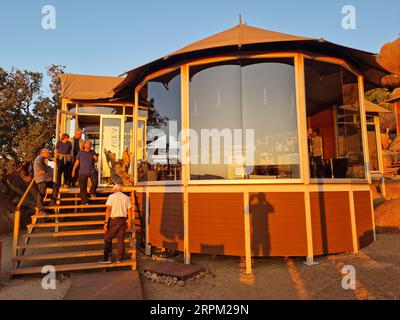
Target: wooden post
(17, 218)
(304, 159)
(185, 157)
(364, 134)
(373, 214)
(353, 222)
(247, 237)
(147, 246)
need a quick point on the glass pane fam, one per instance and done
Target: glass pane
(373, 147)
(111, 139)
(250, 106)
(142, 113)
(333, 117)
(70, 123)
(215, 104)
(269, 108)
(128, 143)
(129, 111)
(162, 98)
(100, 109)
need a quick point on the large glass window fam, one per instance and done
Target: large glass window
(244, 121)
(161, 98)
(333, 118)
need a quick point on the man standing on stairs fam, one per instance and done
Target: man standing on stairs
(43, 178)
(77, 145)
(86, 160)
(118, 219)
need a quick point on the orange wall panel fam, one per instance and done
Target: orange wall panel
(278, 224)
(216, 223)
(166, 220)
(362, 205)
(331, 224)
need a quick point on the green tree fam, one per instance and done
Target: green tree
(27, 124)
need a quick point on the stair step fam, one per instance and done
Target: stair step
(65, 255)
(66, 244)
(69, 215)
(65, 233)
(77, 199)
(79, 206)
(66, 224)
(74, 267)
(76, 190)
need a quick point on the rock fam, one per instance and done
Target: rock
(154, 277)
(181, 283)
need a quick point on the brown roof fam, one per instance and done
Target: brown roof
(237, 36)
(85, 87)
(246, 38)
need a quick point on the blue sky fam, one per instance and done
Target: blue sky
(110, 37)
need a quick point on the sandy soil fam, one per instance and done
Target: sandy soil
(29, 287)
(377, 272)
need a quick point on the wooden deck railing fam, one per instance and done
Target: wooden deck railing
(17, 217)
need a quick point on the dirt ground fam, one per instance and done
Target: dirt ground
(377, 270)
(377, 273)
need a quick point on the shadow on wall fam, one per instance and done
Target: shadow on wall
(260, 208)
(324, 231)
(171, 224)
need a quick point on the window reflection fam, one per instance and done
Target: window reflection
(333, 118)
(257, 95)
(161, 99)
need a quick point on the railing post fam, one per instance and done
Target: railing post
(17, 218)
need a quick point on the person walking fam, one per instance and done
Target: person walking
(77, 145)
(86, 160)
(63, 159)
(43, 176)
(118, 220)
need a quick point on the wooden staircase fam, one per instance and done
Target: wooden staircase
(68, 236)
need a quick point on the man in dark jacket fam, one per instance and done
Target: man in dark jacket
(86, 160)
(43, 176)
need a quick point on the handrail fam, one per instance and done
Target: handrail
(17, 217)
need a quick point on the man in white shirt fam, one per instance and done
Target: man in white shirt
(118, 219)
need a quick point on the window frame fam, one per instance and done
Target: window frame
(299, 74)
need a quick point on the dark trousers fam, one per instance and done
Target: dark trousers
(75, 178)
(42, 187)
(116, 229)
(64, 168)
(317, 167)
(83, 179)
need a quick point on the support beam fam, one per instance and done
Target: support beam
(353, 222)
(147, 245)
(372, 213)
(247, 235)
(310, 249)
(185, 157)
